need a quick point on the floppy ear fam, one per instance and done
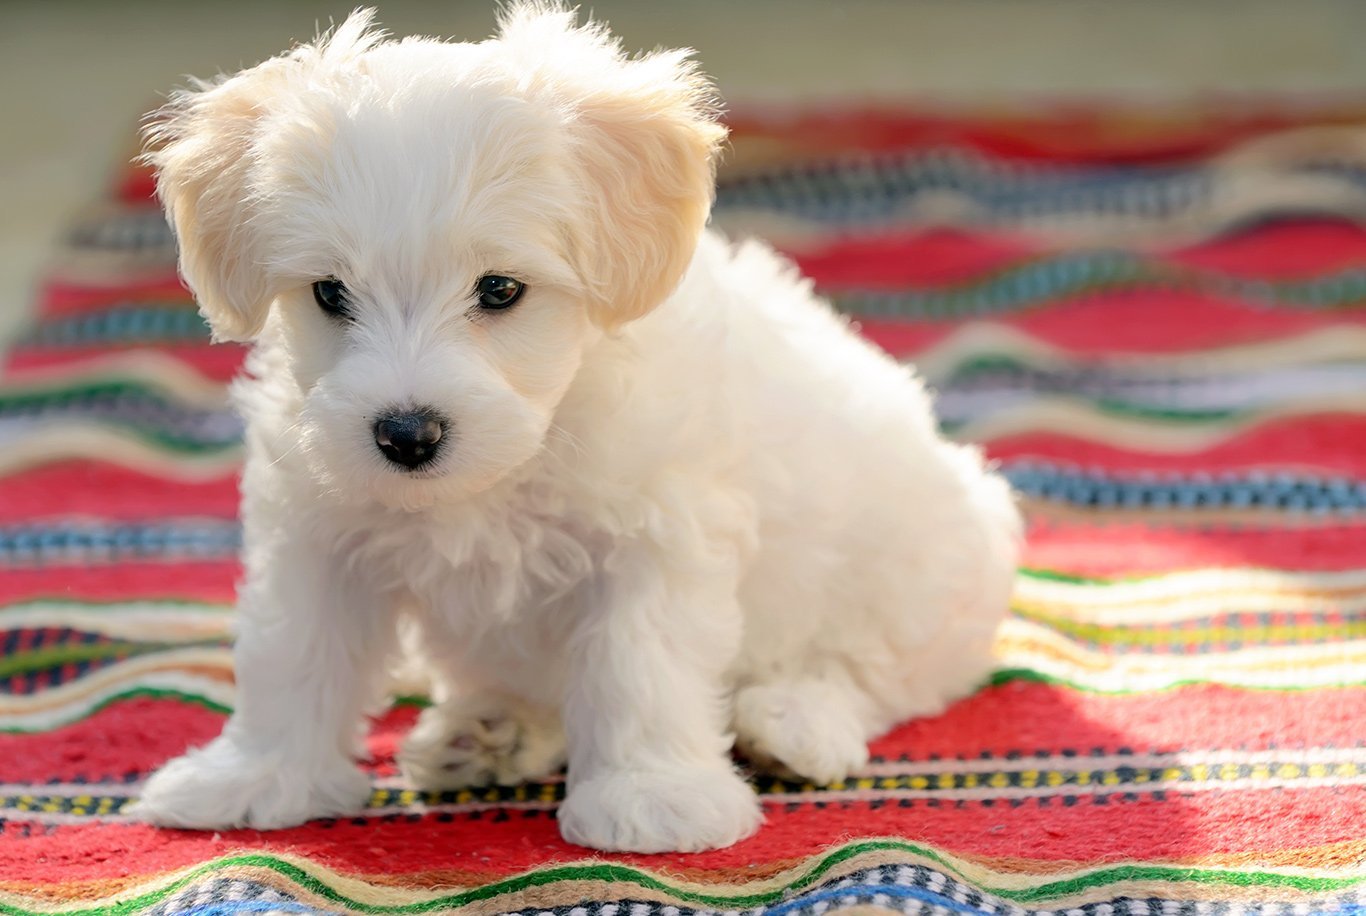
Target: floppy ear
(644, 136)
(201, 144)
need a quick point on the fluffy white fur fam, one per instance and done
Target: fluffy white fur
(683, 507)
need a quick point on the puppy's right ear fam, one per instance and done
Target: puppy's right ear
(200, 143)
(202, 146)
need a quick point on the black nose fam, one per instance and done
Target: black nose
(410, 439)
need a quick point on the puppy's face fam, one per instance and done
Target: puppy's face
(429, 307)
(432, 235)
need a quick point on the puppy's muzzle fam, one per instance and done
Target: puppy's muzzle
(411, 439)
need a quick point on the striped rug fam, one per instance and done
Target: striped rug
(1154, 319)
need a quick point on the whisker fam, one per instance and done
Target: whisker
(293, 427)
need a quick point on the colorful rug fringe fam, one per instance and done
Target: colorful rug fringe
(1154, 319)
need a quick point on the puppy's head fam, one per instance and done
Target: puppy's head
(432, 234)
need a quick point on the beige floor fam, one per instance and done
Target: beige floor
(74, 76)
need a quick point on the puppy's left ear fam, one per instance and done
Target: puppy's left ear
(645, 136)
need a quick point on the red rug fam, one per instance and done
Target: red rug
(1155, 319)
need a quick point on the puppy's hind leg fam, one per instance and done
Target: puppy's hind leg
(812, 726)
(482, 739)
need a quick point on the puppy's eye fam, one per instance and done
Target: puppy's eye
(331, 296)
(497, 292)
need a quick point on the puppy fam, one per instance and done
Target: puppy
(638, 494)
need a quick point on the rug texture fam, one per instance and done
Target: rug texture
(1155, 320)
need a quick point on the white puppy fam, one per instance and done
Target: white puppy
(643, 496)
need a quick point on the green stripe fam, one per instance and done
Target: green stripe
(1055, 575)
(1067, 578)
(632, 877)
(1176, 367)
(85, 604)
(172, 445)
(51, 656)
(37, 396)
(1029, 675)
(175, 446)
(1127, 410)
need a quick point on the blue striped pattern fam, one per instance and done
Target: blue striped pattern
(910, 889)
(1253, 490)
(38, 544)
(976, 391)
(140, 231)
(166, 421)
(220, 538)
(871, 189)
(1073, 274)
(126, 324)
(1028, 284)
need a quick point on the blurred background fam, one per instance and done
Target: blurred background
(77, 75)
(1125, 243)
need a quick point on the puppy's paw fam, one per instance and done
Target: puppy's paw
(481, 741)
(807, 733)
(686, 809)
(222, 786)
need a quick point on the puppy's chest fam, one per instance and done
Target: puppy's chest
(488, 567)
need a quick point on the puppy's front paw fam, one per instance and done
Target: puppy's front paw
(482, 741)
(221, 786)
(687, 809)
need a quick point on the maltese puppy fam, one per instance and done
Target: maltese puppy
(635, 495)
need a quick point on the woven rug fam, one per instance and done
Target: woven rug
(1154, 319)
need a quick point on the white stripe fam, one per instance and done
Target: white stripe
(1316, 665)
(1198, 606)
(165, 374)
(1093, 789)
(155, 671)
(1325, 665)
(1079, 418)
(132, 621)
(44, 442)
(1210, 578)
(1139, 614)
(1198, 593)
(1263, 656)
(1349, 674)
(1058, 762)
